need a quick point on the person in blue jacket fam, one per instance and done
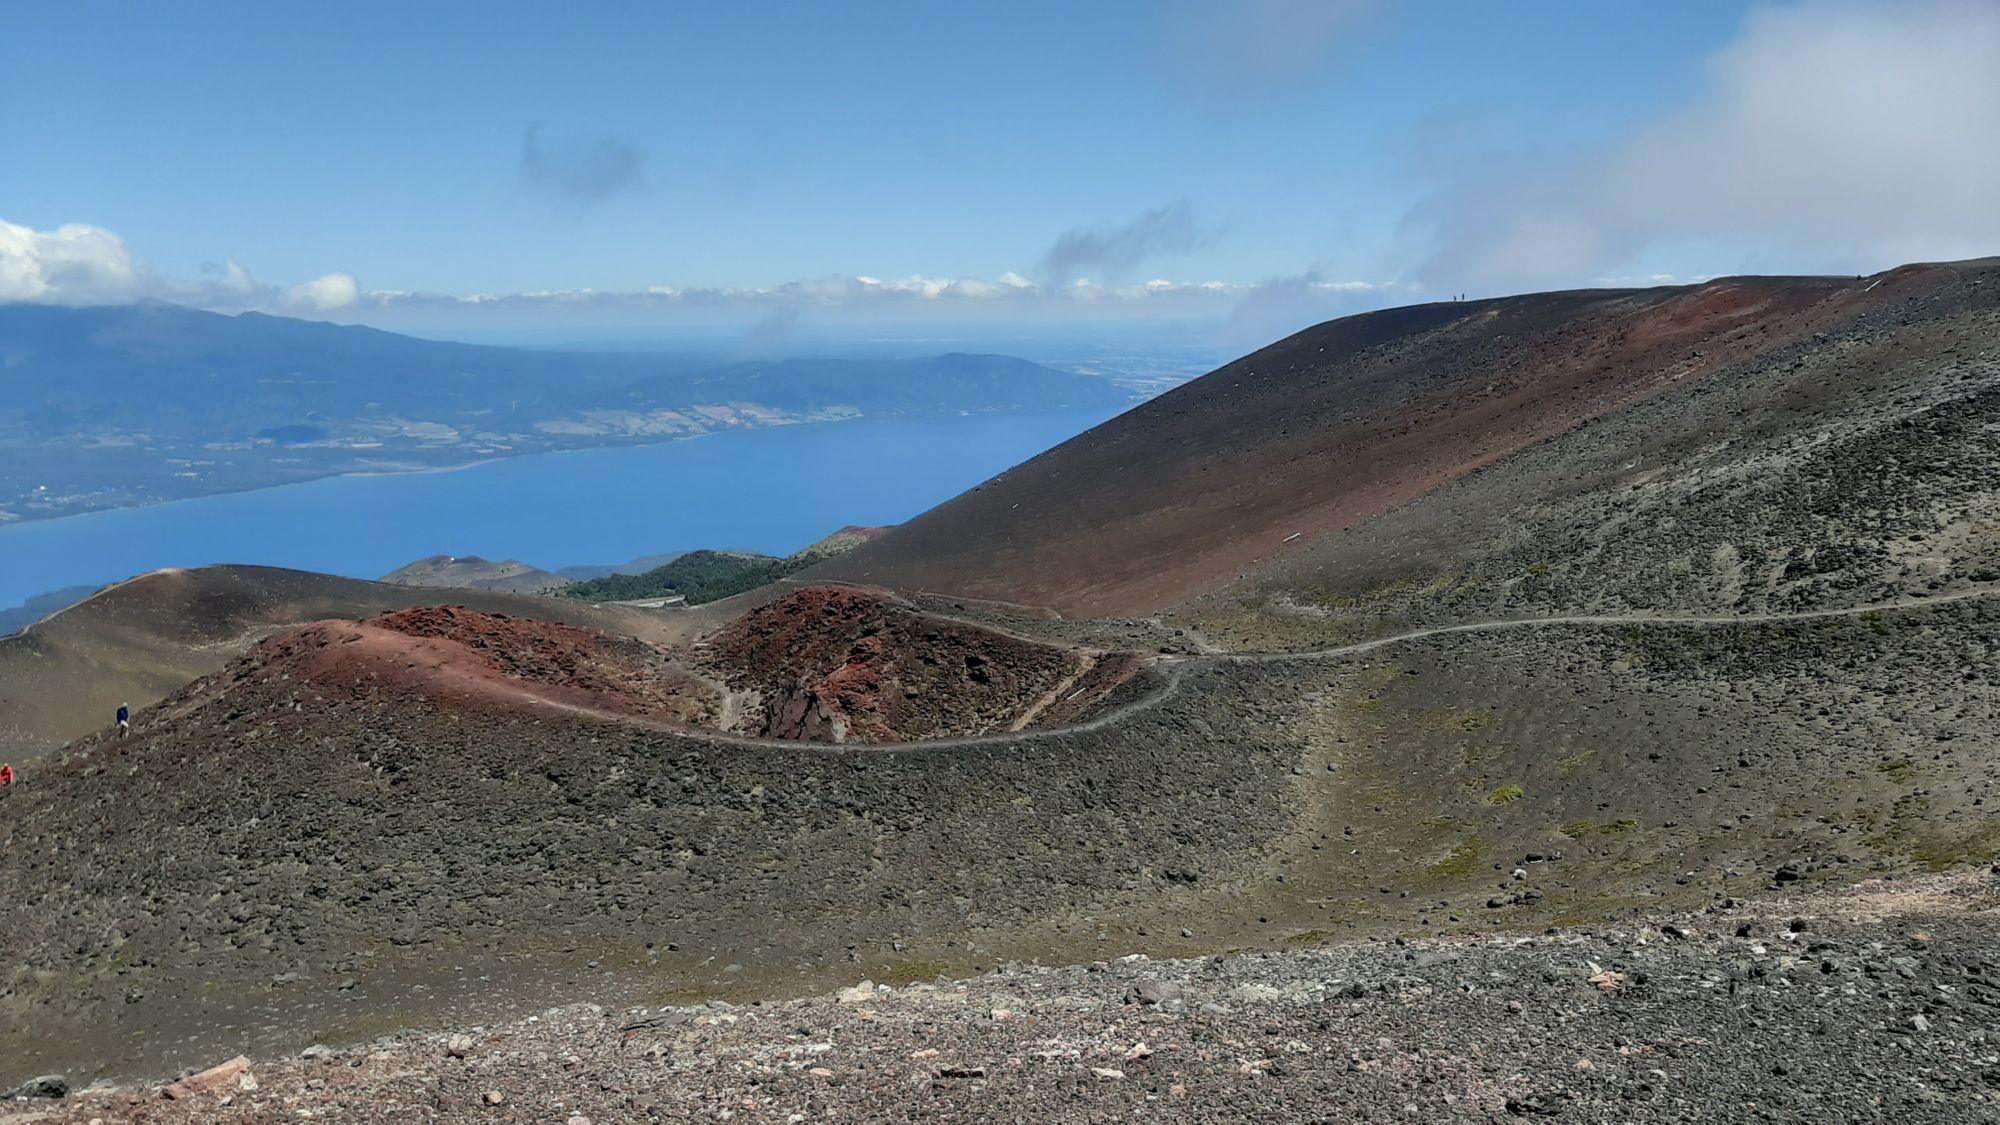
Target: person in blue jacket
(124, 720)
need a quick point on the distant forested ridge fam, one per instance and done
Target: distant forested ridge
(698, 576)
(706, 576)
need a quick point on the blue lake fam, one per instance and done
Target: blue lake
(772, 490)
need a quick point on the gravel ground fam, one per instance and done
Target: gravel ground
(1868, 1003)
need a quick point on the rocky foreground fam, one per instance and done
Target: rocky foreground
(1879, 1002)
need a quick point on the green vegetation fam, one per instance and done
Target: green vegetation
(1461, 859)
(1446, 824)
(1445, 718)
(1900, 770)
(1944, 848)
(1505, 795)
(1876, 623)
(1575, 762)
(1361, 705)
(698, 576)
(1584, 829)
(915, 971)
(1913, 829)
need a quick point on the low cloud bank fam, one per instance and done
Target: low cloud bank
(78, 264)
(86, 265)
(1839, 135)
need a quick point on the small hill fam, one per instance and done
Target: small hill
(833, 665)
(708, 576)
(142, 639)
(470, 572)
(698, 576)
(840, 542)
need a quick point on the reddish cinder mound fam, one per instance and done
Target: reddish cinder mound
(823, 664)
(492, 660)
(836, 664)
(1331, 426)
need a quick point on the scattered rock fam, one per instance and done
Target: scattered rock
(44, 1086)
(210, 1081)
(1150, 992)
(962, 1072)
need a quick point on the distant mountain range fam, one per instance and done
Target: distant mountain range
(108, 407)
(13, 619)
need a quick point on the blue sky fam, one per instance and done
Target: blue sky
(754, 162)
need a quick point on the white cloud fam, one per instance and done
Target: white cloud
(1831, 135)
(79, 264)
(89, 265)
(73, 264)
(325, 294)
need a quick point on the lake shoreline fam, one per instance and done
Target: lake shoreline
(756, 488)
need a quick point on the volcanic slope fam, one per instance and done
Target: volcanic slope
(1382, 732)
(139, 640)
(1276, 471)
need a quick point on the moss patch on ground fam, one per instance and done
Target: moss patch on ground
(1446, 718)
(1903, 771)
(1584, 829)
(1461, 859)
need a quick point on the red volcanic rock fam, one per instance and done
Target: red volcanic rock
(487, 660)
(841, 664)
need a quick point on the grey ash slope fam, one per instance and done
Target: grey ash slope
(1867, 1006)
(1852, 465)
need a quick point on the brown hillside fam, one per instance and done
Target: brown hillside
(1332, 426)
(141, 639)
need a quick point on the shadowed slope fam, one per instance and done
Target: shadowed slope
(1329, 427)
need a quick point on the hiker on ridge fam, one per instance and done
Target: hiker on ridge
(6, 775)
(124, 720)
